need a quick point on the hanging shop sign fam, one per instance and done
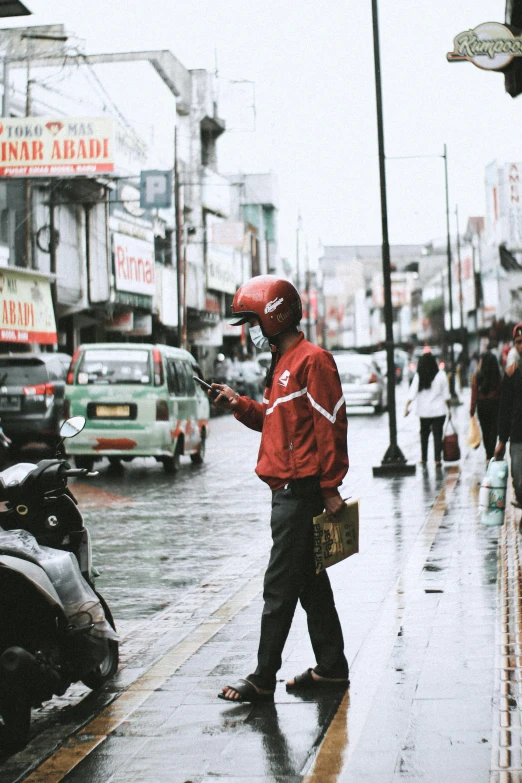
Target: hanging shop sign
(133, 264)
(120, 322)
(50, 147)
(26, 308)
(156, 189)
(220, 269)
(490, 46)
(142, 324)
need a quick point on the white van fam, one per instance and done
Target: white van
(138, 400)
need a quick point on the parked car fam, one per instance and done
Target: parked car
(400, 361)
(32, 390)
(362, 380)
(401, 364)
(139, 400)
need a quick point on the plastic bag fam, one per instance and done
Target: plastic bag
(81, 604)
(473, 438)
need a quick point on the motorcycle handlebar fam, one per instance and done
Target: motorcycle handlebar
(81, 472)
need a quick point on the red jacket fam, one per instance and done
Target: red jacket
(302, 418)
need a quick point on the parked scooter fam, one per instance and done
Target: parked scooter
(55, 628)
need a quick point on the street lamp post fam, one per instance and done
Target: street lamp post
(454, 398)
(394, 461)
(463, 328)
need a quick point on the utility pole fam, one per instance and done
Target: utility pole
(28, 193)
(454, 398)
(179, 247)
(297, 250)
(308, 303)
(463, 328)
(30, 37)
(394, 461)
(6, 109)
(52, 248)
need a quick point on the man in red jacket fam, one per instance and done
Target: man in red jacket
(303, 458)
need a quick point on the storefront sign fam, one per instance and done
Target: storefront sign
(156, 189)
(513, 191)
(209, 335)
(49, 147)
(120, 322)
(142, 324)
(220, 269)
(26, 309)
(133, 264)
(166, 298)
(229, 233)
(490, 46)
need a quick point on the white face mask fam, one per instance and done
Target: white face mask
(259, 339)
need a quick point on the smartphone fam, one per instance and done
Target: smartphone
(206, 386)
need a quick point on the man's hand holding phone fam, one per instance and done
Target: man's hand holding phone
(219, 393)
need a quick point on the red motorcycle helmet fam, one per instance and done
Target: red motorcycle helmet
(274, 301)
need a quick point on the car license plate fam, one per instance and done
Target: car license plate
(113, 411)
(11, 403)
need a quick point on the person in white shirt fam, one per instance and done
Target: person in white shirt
(430, 389)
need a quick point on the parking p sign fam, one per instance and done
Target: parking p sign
(155, 189)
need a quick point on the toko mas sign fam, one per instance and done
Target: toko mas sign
(46, 146)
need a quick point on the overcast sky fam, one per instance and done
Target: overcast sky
(312, 64)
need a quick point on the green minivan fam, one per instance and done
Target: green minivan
(138, 400)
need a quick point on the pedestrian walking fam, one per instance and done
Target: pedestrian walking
(252, 374)
(303, 458)
(510, 418)
(430, 389)
(473, 364)
(486, 386)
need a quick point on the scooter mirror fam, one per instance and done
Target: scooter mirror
(72, 427)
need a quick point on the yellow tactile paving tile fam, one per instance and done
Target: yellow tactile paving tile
(69, 755)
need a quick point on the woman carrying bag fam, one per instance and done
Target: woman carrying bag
(486, 386)
(430, 389)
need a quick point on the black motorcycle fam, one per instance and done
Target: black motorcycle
(55, 628)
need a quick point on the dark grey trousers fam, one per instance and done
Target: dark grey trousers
(290, 577)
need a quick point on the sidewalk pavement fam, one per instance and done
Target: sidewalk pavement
(432, 637)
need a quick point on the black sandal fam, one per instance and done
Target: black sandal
(247, 693)
(305, 682)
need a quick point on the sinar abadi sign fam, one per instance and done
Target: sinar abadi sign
(47, 146)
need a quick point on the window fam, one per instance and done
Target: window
(22, 372)
(182, 378)
(191, 384)
(172, 378)
(55, 370)
(114, 366)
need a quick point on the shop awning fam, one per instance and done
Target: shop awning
(26, 307)
(13, 8)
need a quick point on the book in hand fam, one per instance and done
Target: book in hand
(336, 538)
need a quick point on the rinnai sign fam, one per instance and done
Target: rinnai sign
(133, 265)
(490, 46)
(26, 309)
(49, 147)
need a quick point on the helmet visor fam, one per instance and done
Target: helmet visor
(237, 319)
